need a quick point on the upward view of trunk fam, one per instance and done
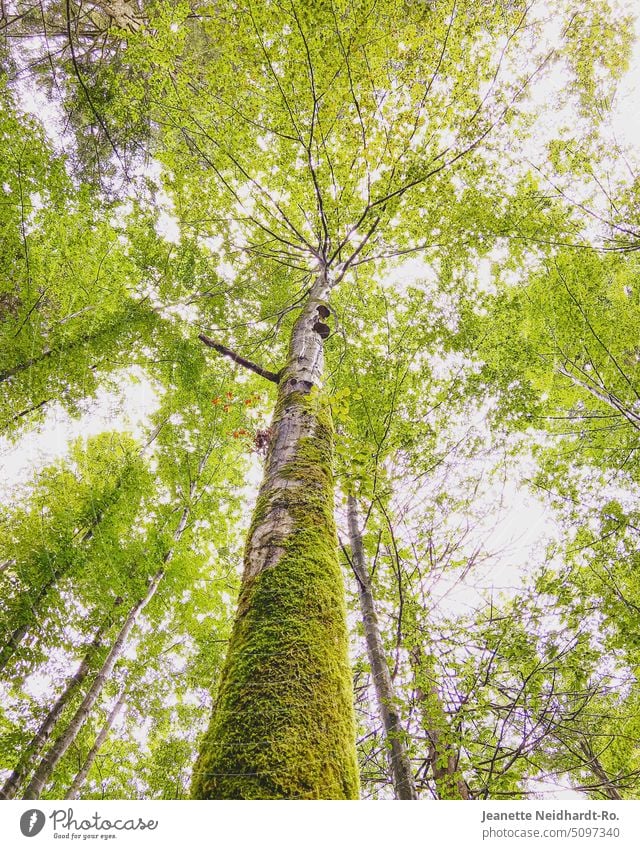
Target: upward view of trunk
(44, 732)
(63, 348)
(442, 752)
(74, 790)
(23, 366)
(18, 634)
(51, 759)
(283, 723)
(604, 395)
(399, 760)
(25, 412)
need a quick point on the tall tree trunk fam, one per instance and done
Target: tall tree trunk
(20, 631)
(441, 750)
(23, 413)
(283, 723)
(74, 790)
(14, 370)
(604, 395)
(125, 319)
(400, 765)
(42, 735)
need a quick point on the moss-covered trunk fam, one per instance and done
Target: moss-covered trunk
(283, 724)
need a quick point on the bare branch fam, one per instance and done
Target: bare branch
(227, 352)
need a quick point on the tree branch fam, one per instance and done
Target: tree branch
(227, 352)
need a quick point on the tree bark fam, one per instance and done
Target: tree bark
(42, 735)
(23, 413)
(605, 397)
(20, 632)
(401, 771)
(283, 723)
(74, 790)
(59, 748)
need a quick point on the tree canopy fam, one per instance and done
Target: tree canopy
(316, 308)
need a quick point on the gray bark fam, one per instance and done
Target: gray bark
(303, 371)
(81, 777)
(42, 735)
(605, 396)
(606, 786)
(401, 771)
(21, 631)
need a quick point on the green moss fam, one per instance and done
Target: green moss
(283, 725)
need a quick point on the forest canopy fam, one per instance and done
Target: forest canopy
(319, 400)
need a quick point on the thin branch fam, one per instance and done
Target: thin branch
(227, 352)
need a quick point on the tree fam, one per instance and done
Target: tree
(322, 143)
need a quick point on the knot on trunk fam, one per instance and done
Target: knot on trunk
(322, 329)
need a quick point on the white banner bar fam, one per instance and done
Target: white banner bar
(331, 825)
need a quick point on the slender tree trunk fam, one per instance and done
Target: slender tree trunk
(51, 759)
(63, 348)
(20, 367)
(74, 790)
(400, 765)
(605, 396)
(442, 752)
(42, 735)
(283, 723)
(25, 412)
(20, 631)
